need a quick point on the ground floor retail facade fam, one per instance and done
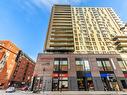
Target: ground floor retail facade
(80, 72)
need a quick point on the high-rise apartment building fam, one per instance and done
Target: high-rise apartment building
(83, 29)
(83, 51)
(60, 31)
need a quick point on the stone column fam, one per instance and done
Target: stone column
(47, 83)
(118, 72)
(72, 79)
(98, 85)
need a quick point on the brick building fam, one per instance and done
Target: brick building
(14, 67)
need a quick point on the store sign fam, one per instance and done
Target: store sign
(105, 75)
(125, 75)
(88, 75)
(45, 59)
(45, 63)
(61, 75)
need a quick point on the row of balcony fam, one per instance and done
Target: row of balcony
(62, 13)
(62, 25)
(67, 38)
(62, 34)
(121, 43)
(63, 28)
(62, 44)
(64, 48)
(62, 16)
(62, 21)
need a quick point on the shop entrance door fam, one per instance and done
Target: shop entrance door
(109, 82)
(123, 82)
(60, 85)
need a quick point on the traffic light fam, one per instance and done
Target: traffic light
(18, 55)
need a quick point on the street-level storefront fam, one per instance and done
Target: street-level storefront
(71, 72)
(107, 75)
(60, 75)
(84, 76)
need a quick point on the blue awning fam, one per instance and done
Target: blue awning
(105, 75)
(88, 75)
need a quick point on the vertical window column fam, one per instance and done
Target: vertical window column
(107, 75)
(84, 77)
(60, 74)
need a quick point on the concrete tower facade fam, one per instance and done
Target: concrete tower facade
(81, 51)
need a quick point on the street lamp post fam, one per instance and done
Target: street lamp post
(43, 81)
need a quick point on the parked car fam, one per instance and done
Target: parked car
(24, 88)
(10, 90)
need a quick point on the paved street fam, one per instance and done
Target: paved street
(2, 92)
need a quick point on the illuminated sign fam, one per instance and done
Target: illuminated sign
(60, 75)
(88, 75)
(45, 59)
(125, 75)
(105, 75)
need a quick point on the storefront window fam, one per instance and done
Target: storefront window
(64, 66)
(63, 85)
(84, 76)
(123, 64)
(60, 65)
(60, 74)
(107, 75)
(104, 65)
(82, 65)
(109, 81)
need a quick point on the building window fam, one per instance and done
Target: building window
(107, 75)
(82, 65)
(77, 48)
(61, 65)
(123, 65)
(104, 64)
(84, 77)
(60, 74)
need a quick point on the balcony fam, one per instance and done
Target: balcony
(62, 44)
(121, 43)
(61, 35)
(63, 21)
(62, 13)
(62, 24)
(118, 37)
(61, 32)
(60, 49)
(61, 40)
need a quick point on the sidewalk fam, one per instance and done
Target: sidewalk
(84, 93)
(2, 92)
